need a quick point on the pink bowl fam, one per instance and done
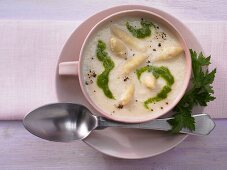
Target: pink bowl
(75, 68)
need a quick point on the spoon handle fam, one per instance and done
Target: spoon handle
(203, 125)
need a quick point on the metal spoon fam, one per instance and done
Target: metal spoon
(65, 122)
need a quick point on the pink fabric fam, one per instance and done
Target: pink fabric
(29, 52)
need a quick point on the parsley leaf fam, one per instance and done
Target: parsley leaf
(182, 120)
(200, 93)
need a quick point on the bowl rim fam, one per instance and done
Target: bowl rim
(186, 79)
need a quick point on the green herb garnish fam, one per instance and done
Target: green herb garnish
(108, 64)
(160, 96)
(144, 31)
(158, 72)
(200, 93)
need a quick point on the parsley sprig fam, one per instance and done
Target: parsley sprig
(200, 93)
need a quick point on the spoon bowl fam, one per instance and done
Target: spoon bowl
(60, 122)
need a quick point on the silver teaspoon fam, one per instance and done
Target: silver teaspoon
(65, 122)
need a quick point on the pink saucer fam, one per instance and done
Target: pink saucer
(121, 143)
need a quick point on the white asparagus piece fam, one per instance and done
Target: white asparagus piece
(128, 39)
(133, 63)
(169, 52)
(127, 95)
(148, 80)
(118, 47)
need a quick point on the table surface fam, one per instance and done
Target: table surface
(20, 150)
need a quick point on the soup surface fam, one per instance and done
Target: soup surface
(133, 66)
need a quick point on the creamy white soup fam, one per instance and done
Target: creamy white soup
(133, 66)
